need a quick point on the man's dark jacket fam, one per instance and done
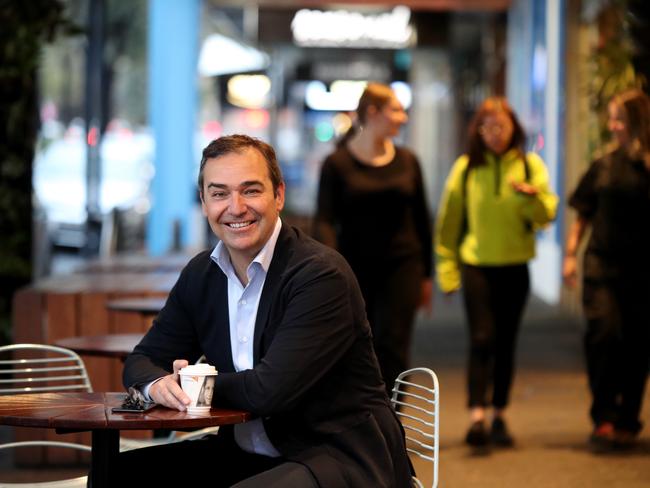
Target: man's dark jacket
(315, 380)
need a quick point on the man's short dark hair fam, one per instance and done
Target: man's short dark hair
(236, 143)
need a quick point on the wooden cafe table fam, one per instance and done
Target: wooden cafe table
(102, 345)
(75, 305)
(114, 345)
(75, 412)
(144, 306)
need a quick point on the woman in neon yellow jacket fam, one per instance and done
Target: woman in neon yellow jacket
(495, 196)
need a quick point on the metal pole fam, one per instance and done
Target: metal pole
(94, 116)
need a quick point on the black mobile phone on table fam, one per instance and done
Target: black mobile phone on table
(134, 402)
(134, 409)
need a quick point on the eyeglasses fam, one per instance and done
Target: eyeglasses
(494, 130)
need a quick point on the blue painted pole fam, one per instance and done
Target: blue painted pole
(173, 54)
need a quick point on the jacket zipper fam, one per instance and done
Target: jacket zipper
(497, 176)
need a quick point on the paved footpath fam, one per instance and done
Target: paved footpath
(548, 412)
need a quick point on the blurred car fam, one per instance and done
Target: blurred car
(126, 158)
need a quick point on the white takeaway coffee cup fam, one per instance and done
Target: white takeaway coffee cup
(197, 381)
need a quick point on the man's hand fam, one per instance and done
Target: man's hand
(168, 392)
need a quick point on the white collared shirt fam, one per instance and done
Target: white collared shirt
(243, 302)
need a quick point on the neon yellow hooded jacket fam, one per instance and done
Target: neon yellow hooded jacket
(500, 222)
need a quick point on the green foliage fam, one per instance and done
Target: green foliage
(611, 68)
(26, 27)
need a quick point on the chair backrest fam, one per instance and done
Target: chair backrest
(416, 399)
(34, 368)
(78, 482)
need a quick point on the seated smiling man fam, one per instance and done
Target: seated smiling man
(282, 319)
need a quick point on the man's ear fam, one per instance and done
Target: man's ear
(203, 207)
(279, 196)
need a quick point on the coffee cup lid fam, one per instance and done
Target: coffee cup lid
(199, 369)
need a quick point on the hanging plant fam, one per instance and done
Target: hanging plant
(611, 67)
(26, 27)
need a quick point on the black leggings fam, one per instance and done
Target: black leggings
(495, 297)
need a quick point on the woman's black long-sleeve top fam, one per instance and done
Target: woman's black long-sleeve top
(374, 214)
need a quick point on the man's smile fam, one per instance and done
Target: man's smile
(239, 225)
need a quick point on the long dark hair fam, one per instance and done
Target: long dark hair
(374, 95)
(476, 147)
(636, 107)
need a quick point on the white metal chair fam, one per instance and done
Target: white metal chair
(416, 401)
(78, 482)
(35, 368)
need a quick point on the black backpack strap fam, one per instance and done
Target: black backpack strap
(464, 187)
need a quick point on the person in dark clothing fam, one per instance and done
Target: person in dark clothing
(282, 319)
(613, 198)
(372, 209)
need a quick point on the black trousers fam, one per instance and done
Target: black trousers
(617, 347)
(215, 458)
(391, 291)
(495, 297)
